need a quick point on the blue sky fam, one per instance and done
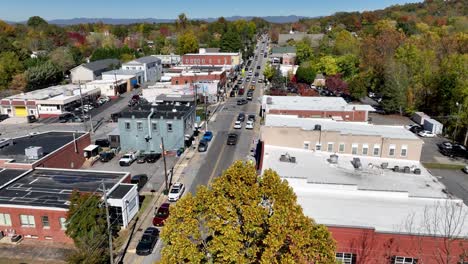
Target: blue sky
(18, 10)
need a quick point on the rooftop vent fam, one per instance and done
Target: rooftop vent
(417, 171)
(384, 165)
(34, 153)
(333, 159)
(318, 127)
(269, 100)
(287, 158)
(174, 110)
(356, 163)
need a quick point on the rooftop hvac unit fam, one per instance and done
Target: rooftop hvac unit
(333, 159)
(34, 153)
(384, 165)
(269, 100)
(396, 169)
(357, 163)
(287, 158)
(68, 93)
(417, 171)
(318, 127)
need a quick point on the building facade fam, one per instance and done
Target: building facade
(212, 59)
(150, 65)
(92, 71)
(142, 130)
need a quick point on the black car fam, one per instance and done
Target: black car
(241, 102)
(257, 74)
(455, 151)
(148, 241)
(103, 143)
(3, 117)
(106, 156)
(152, 157)
(141, 159)
(249, 97)
(65, 117)
(140, 180)
(232, 139)
(416, 129)
(258, 67)
(251, 118)
(232, 93)
(203, 146)
(241, 117)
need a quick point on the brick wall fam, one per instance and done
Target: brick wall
(54, 232)
(192, 79)
(207, 59)
(358, 116)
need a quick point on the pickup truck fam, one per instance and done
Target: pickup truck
(127, 159)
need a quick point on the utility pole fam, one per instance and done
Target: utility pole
(164, 160)
(206, 111)
(109, 229)
(458, 120)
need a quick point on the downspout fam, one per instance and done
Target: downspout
(150, 134)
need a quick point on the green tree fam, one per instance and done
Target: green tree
(395, 89)
(305, 74)
(348, 65)
(36, 21)
(357, 87)
(182, 22)
(277, 81)
(345, 43)
(9, 67)
(230, 41)
(268, 72)
(87, 226)
(303, 51)
(43, 75)
(327, 65)
(244, 218)
(62, 58)
(187, 43)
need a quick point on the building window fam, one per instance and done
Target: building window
(127, 125)
(391, 150)
(330, 147)
(354, 149)
(169, 127)
(365, 149)
(318, 146)
(45, 221)
(63, 223)
(203, 61)
(404, 151)
(342, 148)
(27, 221)
(139, 126)
(177, 82)
(154, 126)
(376, 150)
(5, 219)
(306, 144)
(344, 258)
(405, 260)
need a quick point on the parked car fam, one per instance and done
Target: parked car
(103, 143)
(141, 159)
(455, 150)
(416, 129)
(445, 145)
(127, 159)
(426, 133)
(31, 118)
(241, 102)
(140, 180)
(251, 117)
(241, 117)
(232, 93)
(258, 67)
(238, 125)
(152, 157)
(65, 117)
(176, 192)
(147, 242)
(241, 91)
(465, 169)
(249, 125)
(3, 117)
(249, 97)
(106, 156)
(203, 145)
(208, 136)
(162, 213)
(232, 139)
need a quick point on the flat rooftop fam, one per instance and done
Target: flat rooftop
(7, 175)
(312, 103)
(122, 72)
(345, 128)
(338, 195)
(52, 187)
(120, 191)
(59, 92)
(49, 141)
(166, 111)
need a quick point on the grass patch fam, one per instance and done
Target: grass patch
(120, 239)
(145, 204)
(201, 113)
(442, 166)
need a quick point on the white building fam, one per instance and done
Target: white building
(150, 65)
(135, 76)
(169, 60)
(92, 71)
(110, 88)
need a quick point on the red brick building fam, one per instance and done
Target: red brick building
(315, 107)
(212, 59)
(194, 77)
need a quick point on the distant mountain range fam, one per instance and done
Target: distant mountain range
(126, 21)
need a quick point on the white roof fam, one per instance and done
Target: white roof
(354, 128)
(60, 94)
(91, 147)
(311, 103)
(339, 195)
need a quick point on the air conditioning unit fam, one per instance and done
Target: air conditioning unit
(318, 127)
(333, 159)
(34, 153)
(357, 163)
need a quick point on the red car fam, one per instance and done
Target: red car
(161, 215)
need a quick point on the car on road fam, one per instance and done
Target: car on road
(127, 159)
(258, 67)
(147, 242)
(238, 125)
(242, 101)
(106, 156)
(465, 169)
(251, 117)
(455, 150)
(241, 117)
(241, 92)
(152, 157)
(65, 117)
(140, 180)
(426, 133)
(203, 145)
(253, 82)
(208, 136)
(141, 159)
(249, 97)
(257, 74)
(232, 93)
(249, 125)
(176, 192)
(3, 117)
(232, 139)
(162, 213)
(445, 145)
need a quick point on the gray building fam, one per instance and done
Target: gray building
(142, 128)
(92, 71)
(150, 65)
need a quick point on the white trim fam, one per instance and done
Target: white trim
(33, 207)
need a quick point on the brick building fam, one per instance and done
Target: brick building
(59, 150)
(316, 107)
(194, 77)
(203, 58)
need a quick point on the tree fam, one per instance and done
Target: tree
(395, 88)
(305, 74)
(277, 81)
(87, 226)
(303, 51)
(268, 72)
(244, 218)
(9, 67)
(357, 87)
(43, 75)
(327, 65)
(187, 43)
(345, 43)
(36, 22)
(348, 65)
(230, 41)
(62, 58)
(335, 84)
(19, 82)
(182, 22)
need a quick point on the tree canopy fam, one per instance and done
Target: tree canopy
(244, 218)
